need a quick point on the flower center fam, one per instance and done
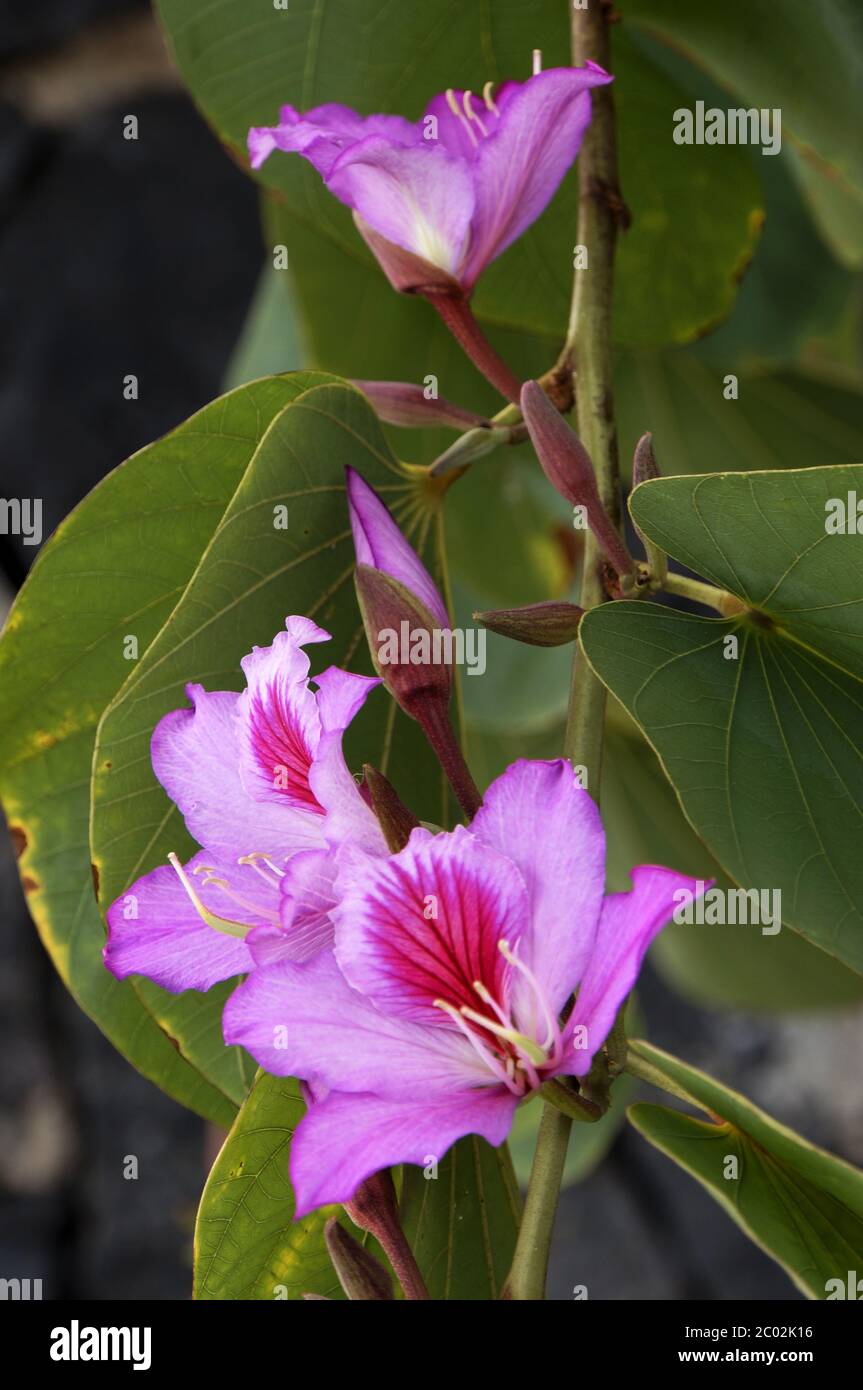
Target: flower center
(515, 1056)
(465, 114)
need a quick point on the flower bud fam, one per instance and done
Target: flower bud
(360, 1275)
(566, 463)
(403, 403)
(645, 469)
(395, 820)
(550, 624)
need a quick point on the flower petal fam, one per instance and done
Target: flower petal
(196, 757)
(628, 924)
(418, 196)
(324, 133)
(155, 930)
(538, 815)
(519, 167)
(305, 1020)
(307, 895)
(279, 723)
(379, 543)
(344, 1139)
(425, 924)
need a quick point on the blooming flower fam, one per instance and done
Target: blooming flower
(439, 1009)
(262, 784)
(439, 199)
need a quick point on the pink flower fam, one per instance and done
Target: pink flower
(263, 786)
(440, 199)
(438, 1012)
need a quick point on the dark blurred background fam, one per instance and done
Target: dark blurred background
(140, 257)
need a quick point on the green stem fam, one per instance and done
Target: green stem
(698, 591)
(589, 339)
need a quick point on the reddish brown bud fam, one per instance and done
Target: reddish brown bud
(360, 1275)
(550, 624)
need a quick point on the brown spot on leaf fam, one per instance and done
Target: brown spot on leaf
(29, 884)
(19, 839)
(94, 870)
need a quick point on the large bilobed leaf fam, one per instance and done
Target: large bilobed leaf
(247, 1244)
(803, 1206)
(765, 749)
(738, 966)
(251, 577)
(805, 59)
(114, 569)
(695, 218)
(461, 1217)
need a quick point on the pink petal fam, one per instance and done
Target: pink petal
(279, 723)
(154, 929)
(307, 895)
(379, 543)
(418, 196)
(425, 925)
(345, 1138)
(196, 757)
(628, 924)
(538, 815)
(324, 133)
(519, 168)
(340, 696)
(305, 1020)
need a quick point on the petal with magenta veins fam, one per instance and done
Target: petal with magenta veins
(154, 928)
(627, 925)
(345, 1138)
(305, 1020)
(348, 815)
(420, 197)
(425, 925)
(538, 815)
(279, 723)
(196, 757)
(379, 543)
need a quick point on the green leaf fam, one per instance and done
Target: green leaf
(247, 1243)
(763, 749)
(462, 1221)
(805, 59)
(250, 578)
(696, 212)
(801, 1205)
(727, 966)
(115, 568)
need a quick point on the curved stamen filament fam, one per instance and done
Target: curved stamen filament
(552, 1031)
(531, 1049)
(252, 861)
(467, 103)
(488, 98)
(454, 107)
(212, 880)
(502, 1073)
(222, 924)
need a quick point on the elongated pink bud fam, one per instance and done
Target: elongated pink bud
(566, 463)
(403, 403)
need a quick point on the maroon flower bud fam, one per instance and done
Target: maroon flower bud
(550, 624)
(360, 1275)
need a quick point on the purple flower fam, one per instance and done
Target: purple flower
(263, 786)
(438, 200)
(438, 1012)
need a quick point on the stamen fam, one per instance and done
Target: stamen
(488, 998)
(222, 924)
(459, 114)
(488, 98)
(524, 1044)
(252, 861)
(467, 103)
(537, 61)
(504, 1075)
(552, 1033)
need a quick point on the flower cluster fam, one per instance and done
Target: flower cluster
(421, 994)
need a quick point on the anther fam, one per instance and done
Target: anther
(454, 107)
(222, 924)
(488, 98)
